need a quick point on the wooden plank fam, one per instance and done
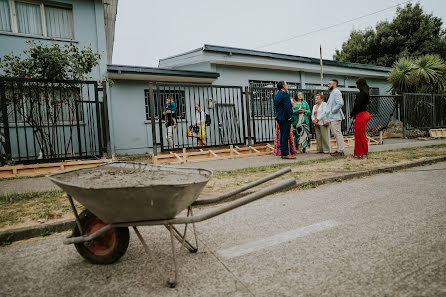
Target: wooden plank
(178, 157)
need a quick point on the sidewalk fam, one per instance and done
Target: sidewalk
(37, 184)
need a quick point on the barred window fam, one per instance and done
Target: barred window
(160, 101)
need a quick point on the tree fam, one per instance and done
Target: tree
(51, 62)
(426, 74)
(55, 99)
(411, 33)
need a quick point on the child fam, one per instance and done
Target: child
(171, 109)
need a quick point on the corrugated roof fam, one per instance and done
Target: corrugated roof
(248, 52)
(160, 71)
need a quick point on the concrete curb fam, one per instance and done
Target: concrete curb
(12, 235)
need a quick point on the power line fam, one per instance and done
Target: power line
(329, 27)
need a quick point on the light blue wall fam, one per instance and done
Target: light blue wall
(130, 133)
(89, 30)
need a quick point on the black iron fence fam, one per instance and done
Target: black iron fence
(423, 111)
(49, 121)
(200, 116)
(262, 113)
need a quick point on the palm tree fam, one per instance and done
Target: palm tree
(429, 74)
(399, 77)
(426, 74)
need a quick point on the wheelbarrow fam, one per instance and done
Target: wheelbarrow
(119, 195)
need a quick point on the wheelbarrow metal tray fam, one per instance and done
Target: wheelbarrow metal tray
(116, 204)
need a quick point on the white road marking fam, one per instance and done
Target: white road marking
(253, 246)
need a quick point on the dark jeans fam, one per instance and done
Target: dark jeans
(284, 127)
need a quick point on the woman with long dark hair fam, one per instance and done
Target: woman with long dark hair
(362, 117)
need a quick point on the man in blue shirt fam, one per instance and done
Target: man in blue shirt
(284, 117)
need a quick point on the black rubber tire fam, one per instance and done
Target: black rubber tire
(116, 251)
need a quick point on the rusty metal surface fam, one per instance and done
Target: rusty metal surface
(137, 203)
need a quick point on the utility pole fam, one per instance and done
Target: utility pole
(322, 71)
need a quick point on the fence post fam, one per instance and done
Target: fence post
(433, 111)
(248, 115)
(152, 118)
(98, 119)
(105, 119)
(4, 108)
(404, 116)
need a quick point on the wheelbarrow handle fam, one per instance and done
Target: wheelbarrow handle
(242, 188)
(286, 184)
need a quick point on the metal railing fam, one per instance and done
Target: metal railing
(383, 109)
(423, 111)
(46, 121)
(220, 121)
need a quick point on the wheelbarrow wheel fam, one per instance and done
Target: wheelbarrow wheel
(106, 249)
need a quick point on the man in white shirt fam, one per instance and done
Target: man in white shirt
(335, 116)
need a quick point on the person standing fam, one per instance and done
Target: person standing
(362, 117)
(301, 131)
(321, 125)
(170, 120)
(335, 116)
(284, 118)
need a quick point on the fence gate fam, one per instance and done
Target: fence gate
(46, 121)
(223, 105)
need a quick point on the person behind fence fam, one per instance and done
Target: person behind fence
(3, 155)
(335, 116)
(301, 131)
(284, 143)
(321, 125)
(170, 120)
(362, 117)
(171, 108)
(198, 128)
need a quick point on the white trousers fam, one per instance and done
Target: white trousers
(335, 128)
(169, 136)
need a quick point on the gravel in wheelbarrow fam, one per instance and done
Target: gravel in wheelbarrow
(129, 192)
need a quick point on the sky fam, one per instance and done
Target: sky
(147, 31)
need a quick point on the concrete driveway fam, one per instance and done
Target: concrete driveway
(379, 236)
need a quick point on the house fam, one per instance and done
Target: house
(246, 67)
(118, 119)
(69, 131)
(81, 22)
(224, 72)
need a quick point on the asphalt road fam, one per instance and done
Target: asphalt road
(378, 236)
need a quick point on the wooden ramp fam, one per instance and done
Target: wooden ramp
(47, 168)
(233, 151)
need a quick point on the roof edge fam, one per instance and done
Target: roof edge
(182, 54)
(160, 71)
(241, 51)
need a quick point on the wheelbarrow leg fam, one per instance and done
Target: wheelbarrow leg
(174, 283)
(181, 237)
(76, 215)
(169, 283)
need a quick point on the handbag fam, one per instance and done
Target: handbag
(325, 122)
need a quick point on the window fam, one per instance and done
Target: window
(178, 97)
(5, 16)
(318, 86)
(263, 99)
(36, 19)
(374, 101)
(271, 84)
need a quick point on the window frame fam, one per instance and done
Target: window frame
(42, 5)
(180, 115)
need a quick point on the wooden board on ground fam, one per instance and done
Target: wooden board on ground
(231, 152)
(437, 133)
(47, 168)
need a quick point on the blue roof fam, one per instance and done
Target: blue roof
(160, 71)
